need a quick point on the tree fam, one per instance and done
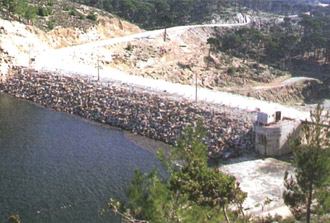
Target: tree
(193, 192)
(17, 7)
(312, 166)
(259, 39)
(31, 14)
(327, 52)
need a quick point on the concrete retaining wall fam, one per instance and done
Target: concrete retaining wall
(272, 140)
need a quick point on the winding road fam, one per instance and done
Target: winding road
(61, 61)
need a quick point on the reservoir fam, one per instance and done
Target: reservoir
(56, 167)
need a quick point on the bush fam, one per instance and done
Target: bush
(241, 69)
(73, 12)
(51, 24)
(129, 47)
(50, 11)
(42, 11)
(50, 2)
(231, 70)
(31, 13)
(92, 16)
(67, 8)
(82, 17)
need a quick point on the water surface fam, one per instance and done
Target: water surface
(55, 167)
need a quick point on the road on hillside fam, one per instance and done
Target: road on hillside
(153, 34)
(60, 61)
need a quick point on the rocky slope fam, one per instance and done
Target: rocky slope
(156, 116)
(21, 42)
(184, 55)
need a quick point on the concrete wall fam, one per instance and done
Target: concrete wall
(272, 140)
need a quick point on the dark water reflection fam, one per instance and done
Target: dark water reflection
(49, 160)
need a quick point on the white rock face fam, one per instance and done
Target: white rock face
(21, 42)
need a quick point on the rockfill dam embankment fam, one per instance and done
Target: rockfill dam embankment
(153, 115)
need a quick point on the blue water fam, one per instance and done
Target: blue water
(49, 160)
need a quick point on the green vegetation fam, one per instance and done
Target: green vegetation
(129, 47)
(231, 70)
(193, 193)
(51, 24)
(31, 14)
(92, 16)
(309, 190)
(24, 10)
(160, 13)
(44, 11)
(73, 12)
(278, 44)
(196, 193)
(81, 16)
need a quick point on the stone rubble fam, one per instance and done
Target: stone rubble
(152, 115)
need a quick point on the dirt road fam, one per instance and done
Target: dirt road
(65, 61)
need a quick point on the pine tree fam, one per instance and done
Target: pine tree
(193, 192)
(312, 166)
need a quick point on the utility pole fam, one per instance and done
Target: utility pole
(209, 57)
(98, 69)
(196, 87)
(29, 54)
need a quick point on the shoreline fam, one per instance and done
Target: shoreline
(145, 143)
(155, 116)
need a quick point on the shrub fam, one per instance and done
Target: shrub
(50, 11)
(42, 11)
(50, 2)
(241, 69)
(231, 70)
(51, 24)
(82, 16)
(129, 47)
(73, 12)
(92, 16)
(31, 13)
(67, 8)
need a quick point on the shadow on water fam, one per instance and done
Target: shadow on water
(56, 167)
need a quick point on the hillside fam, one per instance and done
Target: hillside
(183, 57)
(66, 25)
(152, 14)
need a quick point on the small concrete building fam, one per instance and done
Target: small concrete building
(272, 133)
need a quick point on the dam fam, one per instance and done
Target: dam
(156, 116)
